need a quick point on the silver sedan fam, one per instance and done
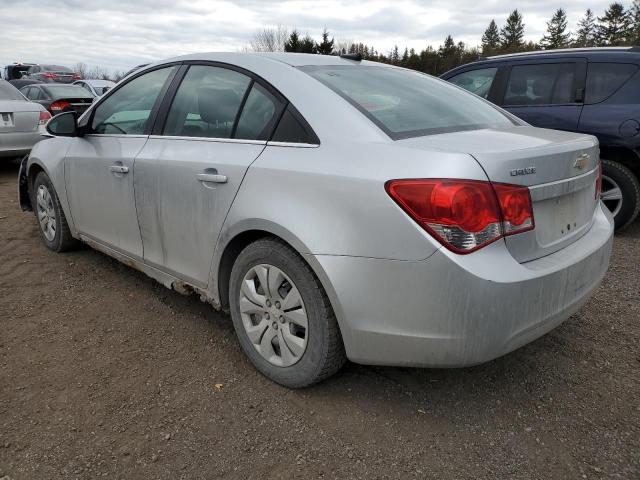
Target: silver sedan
(336, 208)
(21, 122)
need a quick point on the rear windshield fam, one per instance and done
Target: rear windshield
(407, 104)
(55, 68)
(9, 92)
(60, 91)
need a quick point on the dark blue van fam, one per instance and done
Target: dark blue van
(591, 90)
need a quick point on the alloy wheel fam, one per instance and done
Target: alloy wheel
(611, 195)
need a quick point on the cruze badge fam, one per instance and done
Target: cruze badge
(582, 161)
(522, 171)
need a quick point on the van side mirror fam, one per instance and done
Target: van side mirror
(63, 125)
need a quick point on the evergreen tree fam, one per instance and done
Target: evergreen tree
(293, 44)
(613, 28)
(512, 34)
(405, 57)
(307, 45)
(556, 36)
(395, 55)
(326, 46)
(491, 38)
(586, 35)
(634, 20)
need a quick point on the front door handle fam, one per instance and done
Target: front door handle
(212, 177)
(119, 169)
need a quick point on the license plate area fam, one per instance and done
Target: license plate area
(6, 120)
(560, 217)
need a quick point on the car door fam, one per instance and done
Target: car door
(189, 171)
(546, 93)
(100, 164)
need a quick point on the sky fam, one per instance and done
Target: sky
(119, 34)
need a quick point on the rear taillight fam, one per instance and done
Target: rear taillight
(44, 118)
(59, 106)
(599, 180)
(464, 215)
(49, 75)
(77, 76)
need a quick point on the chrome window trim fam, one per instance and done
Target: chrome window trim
(115, 135)
(292, 144)
(208, 139)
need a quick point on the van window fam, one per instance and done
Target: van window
(604, 79)
(542, 84)
(476, 81)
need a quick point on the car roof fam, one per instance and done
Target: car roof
(292, 59)
(96, 82)
(588, 51)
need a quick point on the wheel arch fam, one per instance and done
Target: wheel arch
(233, 241)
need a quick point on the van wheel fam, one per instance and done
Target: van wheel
(282, 316)
(620, 193)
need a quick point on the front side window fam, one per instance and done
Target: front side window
(127, 110)
(207, 103)
(542, 84)
(476, 81)
(408, 104)
(604, 79)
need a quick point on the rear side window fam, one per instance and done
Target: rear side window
(9, 92)
(207, 103)
(407, 104)
(476, 81)
(258, 115)
(543, 84)
(604, 79)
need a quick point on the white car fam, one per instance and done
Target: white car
(97, 87)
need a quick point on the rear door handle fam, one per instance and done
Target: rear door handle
(212, 177)
(119, 169)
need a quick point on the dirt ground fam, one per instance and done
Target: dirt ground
(103, 372)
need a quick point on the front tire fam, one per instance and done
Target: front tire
(52, 223)
(282, 316)
(620, 193)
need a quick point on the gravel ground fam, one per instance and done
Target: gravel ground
(105, 373)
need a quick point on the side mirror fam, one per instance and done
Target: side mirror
(63, 125)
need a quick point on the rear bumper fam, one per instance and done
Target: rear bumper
(451, 310)
(18, 143)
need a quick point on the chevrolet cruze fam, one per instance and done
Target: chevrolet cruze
(337, 208)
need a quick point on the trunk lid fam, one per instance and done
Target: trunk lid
(560, 169)
(19, 116)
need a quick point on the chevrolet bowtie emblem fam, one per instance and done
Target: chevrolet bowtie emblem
(582, 161)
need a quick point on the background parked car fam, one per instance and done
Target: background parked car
(97, 87)
(58, 98)
(21, 122)
(23, 82)
(52, 73)
(16, 70)
(595, 91)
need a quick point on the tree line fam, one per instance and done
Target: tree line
(618, 26)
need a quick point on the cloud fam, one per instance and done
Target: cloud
(118, 34)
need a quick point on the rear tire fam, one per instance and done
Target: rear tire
(293, 343)
(52, 223)
(617, 177)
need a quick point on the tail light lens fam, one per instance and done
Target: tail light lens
(77, 76)
(49, 75)
(59, 106)
(44, 118)
(464, 215)
(599, 180)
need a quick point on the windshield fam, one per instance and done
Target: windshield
(407, 104)
(9, 92)
(59, 91)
